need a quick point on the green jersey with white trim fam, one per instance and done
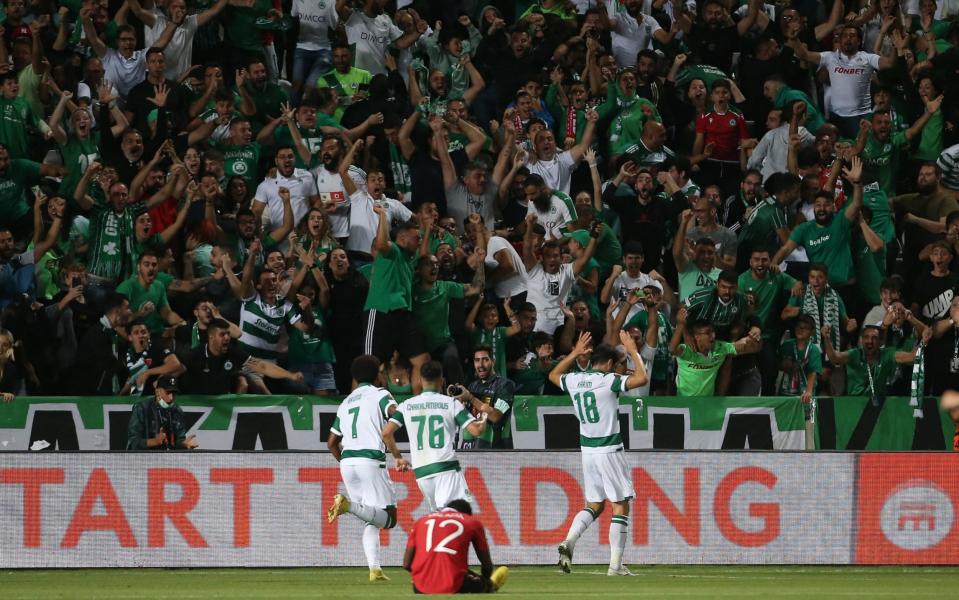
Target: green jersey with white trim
(359, 421)
(596, 402)
(260, 324)
(433, 420)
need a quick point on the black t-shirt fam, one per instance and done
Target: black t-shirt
(212, 375)
(137, 362)
(426, 177)
(177, 106)
(714, 46)
(934, 295)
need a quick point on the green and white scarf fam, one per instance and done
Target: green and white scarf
(830, 316)
(918, 381)
(400, 170)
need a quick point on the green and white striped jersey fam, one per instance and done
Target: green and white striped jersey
(359, 421)
(432, 420)
(261, 323)
(596, 402)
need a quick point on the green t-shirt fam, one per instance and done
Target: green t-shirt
(138, 296)
(878, 201)
(77, 156)
(882, 371)
(530, 381)
(16, 117)
(808, 361)
(663, 357)
(345, 84)
(697, 372)
(240, 160)
(814, 118)
(391, 280)
(495, 338)
(829, 245)
(707, 73)
(761, 226)
(431, 308)
(881, 159)
(268, 103)
(870, 270)
(13, 184)
(239, 26)
(692, 280)
(769, 294)
(309, 349)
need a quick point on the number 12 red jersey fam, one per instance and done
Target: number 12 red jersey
(442, 541)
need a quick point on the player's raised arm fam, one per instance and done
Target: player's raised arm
(556, 375)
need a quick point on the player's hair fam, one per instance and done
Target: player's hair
(705, 241)
(700, 324)
(432, 371)
(405, 227)
(147, 253)
(527, 307)
(604, 353)
(539, 339)
(365, 368)
(819, 267)
(762, 250)
(729, 276)
(461, 506)
(634, 247)
(218, 324)
(805, 320)
(136, 323)
(720, 83)
(484, 347)
(777, 183)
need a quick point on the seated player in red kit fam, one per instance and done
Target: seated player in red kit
(437, 553)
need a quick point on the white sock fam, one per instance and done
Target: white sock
(617, 540)
(371, 546)
(581, 523)
(374, 516)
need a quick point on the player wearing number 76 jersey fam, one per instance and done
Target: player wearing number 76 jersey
(356, 440)
(432, 419)
(437, 553)
(606, 475)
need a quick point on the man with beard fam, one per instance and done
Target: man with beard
(871, 366)
(348, 291)
(268, 98)
(736, 207)
(298, 183)
(146, 361)
(305, 132)
(431, 309)
(329, 185)
(195, 336)
(99, 364)
(632, 31)
(827, 240)
(712, 41)
(492, 395)
(345, 79)
(241, 155)
(364, 222)
(166, 96)
(552, 208)
(556, 169)
(850, 76)
(923, 214)
(550, 280)
(371, 31)
(881, 149)
(148, 296)
(642, 213)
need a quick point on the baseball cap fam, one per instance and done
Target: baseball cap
(580, 235)
(168, 383)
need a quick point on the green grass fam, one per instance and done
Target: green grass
(524, 582)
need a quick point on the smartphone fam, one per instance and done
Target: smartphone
(639, 293)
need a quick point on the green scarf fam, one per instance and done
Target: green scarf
(400, 170)
(830, 316)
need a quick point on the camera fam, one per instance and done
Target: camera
(455, 390)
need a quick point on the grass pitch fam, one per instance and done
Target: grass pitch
(524, 582)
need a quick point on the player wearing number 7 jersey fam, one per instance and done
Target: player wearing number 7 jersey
(356, 440)
(606, 475)
(432, 419)
(437, 553)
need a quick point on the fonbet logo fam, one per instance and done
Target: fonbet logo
(917, 516)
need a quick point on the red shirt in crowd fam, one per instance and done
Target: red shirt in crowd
(442, 542)
(724, 130)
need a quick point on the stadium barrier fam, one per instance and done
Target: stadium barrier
(539, 422)
(267, 509)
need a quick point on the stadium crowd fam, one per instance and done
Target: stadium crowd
(249, 194)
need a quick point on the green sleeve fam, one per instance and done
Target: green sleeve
(385, 403)
(26, 169)
(554, 107)
(124, 288)
(335, 428)
(618, 384)
(462, 417)
(794, 301)
(455, 290)
(656, 115)
(786, 282)
(726, 348)
(163, 301)
(607, 108)
(815, 359)
(930, 138)
(797, 235)
(685, 352)
(398, 418)
(842, 307)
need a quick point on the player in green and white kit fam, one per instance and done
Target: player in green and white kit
(606, 475)
(356, 441)
(433, 419)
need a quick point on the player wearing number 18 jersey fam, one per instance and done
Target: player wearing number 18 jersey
(432, 419)
(606, 476)
(356, 440)
(437, 553)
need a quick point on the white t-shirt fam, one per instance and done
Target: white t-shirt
(630, 35)
(850, 79)
(329, 186)
(124, 73)
(179, 52)
(548, 293)
(515, 283)
(460, 203)
(302, 187)
(556, 172)
(557, 216)
(622, 286)
(647, 354)
(363, 221)
(371, 37)
(316, 17)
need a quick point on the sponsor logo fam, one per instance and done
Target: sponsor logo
(917, 517)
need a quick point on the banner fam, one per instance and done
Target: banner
(856, 423)
(303, 423)
(182, 509)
